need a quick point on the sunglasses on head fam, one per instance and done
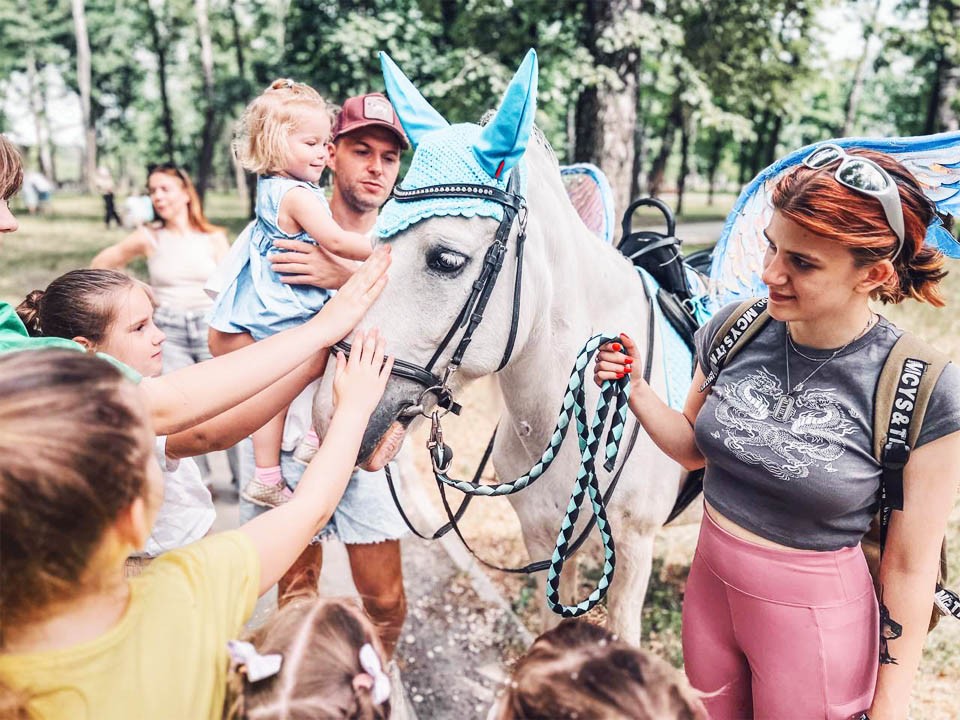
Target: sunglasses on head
(865, 177)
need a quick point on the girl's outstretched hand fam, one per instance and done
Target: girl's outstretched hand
(342, 313)
(614, 360)
(359, 381)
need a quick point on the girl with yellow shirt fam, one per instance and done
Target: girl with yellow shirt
(79, 490)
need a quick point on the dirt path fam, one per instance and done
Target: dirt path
(460, 634)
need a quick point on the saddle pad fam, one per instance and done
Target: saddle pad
(677, 358)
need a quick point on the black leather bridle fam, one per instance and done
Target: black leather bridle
(471, 315)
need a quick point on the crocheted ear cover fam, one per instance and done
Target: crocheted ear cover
(463, 153)
(445, 157)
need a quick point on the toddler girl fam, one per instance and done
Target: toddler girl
(315, 658)
(283, 138)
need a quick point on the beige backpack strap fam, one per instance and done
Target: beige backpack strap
(910, 360)
(744, 322)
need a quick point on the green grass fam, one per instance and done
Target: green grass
(71, 234)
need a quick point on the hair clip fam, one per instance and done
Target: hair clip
(244, 656)
(282, 84)
(373, 678)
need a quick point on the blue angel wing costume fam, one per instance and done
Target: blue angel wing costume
(738, 258)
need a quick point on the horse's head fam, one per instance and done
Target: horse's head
(441, 245)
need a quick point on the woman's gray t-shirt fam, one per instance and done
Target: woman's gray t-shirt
(810, 481)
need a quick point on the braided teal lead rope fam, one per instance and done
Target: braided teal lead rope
(588, 439)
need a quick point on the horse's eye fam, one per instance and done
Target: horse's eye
(445, 261)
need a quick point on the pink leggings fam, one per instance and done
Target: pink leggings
(779, 634)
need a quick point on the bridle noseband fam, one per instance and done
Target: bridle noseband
(471, 315)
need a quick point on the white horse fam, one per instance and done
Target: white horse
(573, 286)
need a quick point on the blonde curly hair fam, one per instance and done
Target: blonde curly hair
(11, 169)
(261, 140)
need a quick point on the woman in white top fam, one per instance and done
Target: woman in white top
(182, 249)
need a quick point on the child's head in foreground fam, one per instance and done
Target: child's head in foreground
(579, 670)
(330, 666)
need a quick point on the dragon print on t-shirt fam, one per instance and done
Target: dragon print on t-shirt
(787, 448)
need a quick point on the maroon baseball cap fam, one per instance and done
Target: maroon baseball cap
(363, 111)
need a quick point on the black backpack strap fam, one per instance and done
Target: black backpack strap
(744, 322)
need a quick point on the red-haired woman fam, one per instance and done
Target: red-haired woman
(780, 615)
(182, 249)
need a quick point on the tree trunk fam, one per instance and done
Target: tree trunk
(89, 165)
(160, 50)
(246, 182)
(38, 109)
(638, 149)
(742, 169)
(659, 167)
(947, 116)
(607, 113)
(713, 163)
(759, 145)
(237, 42)
(772, 140)
(860, 74)
(685, 132)
(209, 111)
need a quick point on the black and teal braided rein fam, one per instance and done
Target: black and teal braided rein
(616, 392)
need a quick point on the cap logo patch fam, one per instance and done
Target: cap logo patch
(377, 108)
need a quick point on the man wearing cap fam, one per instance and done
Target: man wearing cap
(367, 141)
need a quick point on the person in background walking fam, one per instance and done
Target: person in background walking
(103, 181)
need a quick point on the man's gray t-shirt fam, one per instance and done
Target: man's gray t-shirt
(810, 481)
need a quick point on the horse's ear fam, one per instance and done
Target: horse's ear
(504, 139)
(416, 115)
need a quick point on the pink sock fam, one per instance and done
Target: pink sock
(269, 475)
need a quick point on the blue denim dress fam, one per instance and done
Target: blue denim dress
(253, 299)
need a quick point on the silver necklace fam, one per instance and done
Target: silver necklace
(787, 403)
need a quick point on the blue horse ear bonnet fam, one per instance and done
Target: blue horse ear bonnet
(462, 153)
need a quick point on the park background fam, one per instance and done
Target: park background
(685, 99)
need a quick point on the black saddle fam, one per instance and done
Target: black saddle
(660, 255)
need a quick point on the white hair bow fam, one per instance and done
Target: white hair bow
(370, 662)
(255, 666)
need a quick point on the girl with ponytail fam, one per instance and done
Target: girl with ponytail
(313, 658)
(791, 481)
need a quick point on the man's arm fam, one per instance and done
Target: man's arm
(309, 264)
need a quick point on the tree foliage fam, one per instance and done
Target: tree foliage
(722, 88)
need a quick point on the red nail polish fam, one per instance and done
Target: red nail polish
(616, 347)
(628, 369)
(619, 375)
(628, 360)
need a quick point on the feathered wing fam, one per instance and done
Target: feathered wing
(738, 258)
(589, 191)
